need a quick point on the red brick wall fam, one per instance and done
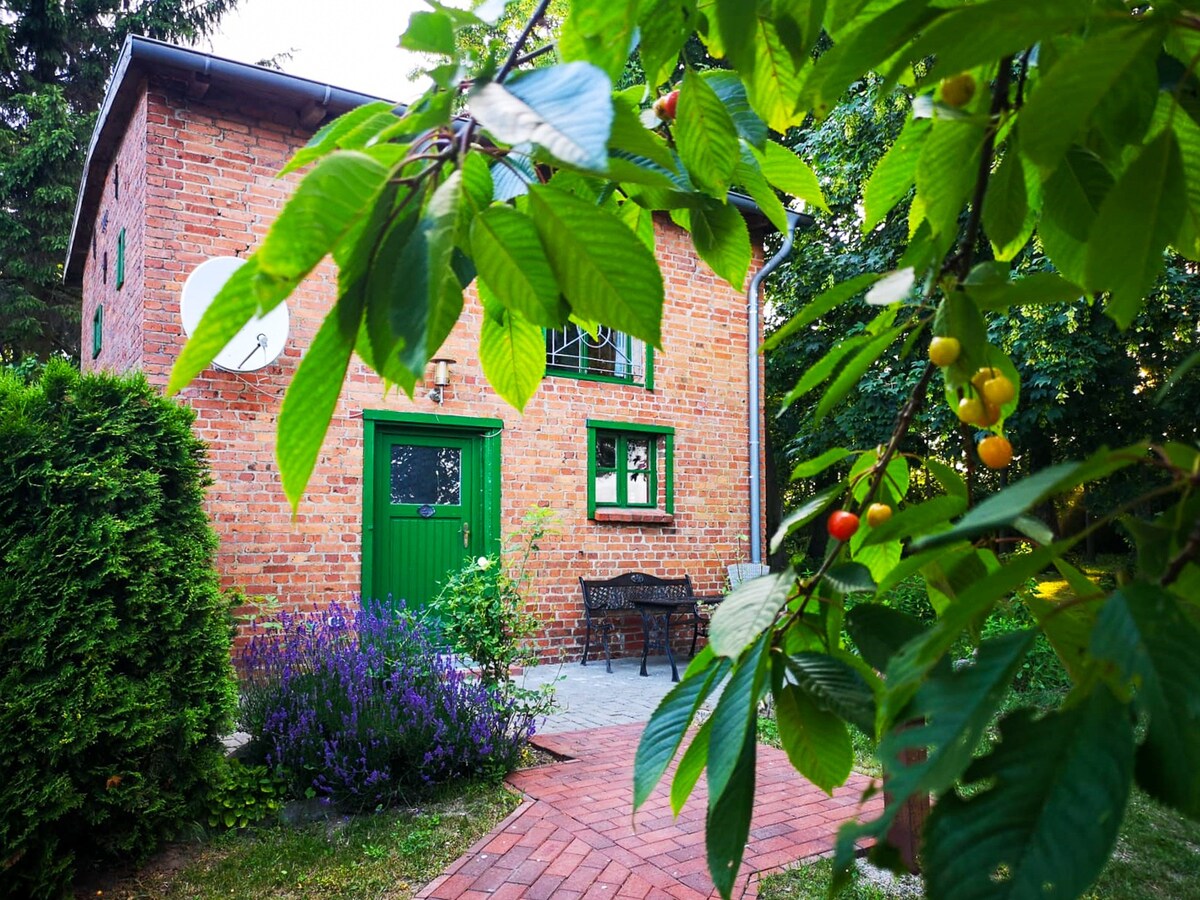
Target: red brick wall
(211, 190)
(124, 315)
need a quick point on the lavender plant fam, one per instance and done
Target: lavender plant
(359, 707)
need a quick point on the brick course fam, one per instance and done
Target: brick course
(198, 180)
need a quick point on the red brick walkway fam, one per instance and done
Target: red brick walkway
(572, 837)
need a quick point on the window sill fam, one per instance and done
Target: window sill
(615, 515)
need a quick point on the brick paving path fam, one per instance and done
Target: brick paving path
(572, 837)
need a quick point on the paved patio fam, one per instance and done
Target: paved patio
(574, 836)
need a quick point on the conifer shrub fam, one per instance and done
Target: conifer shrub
(115, 674)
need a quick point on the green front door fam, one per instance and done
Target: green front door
(428, 504)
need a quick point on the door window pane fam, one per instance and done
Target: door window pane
(426, 475)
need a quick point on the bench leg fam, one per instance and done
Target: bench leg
(587, 642)
(607, 655)
(670, 655)
(645, 642)
(695, 632)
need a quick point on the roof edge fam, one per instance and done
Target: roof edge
(142, 55)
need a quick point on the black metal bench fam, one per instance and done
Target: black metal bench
(654, 599)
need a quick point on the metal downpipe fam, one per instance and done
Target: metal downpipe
(752, 296)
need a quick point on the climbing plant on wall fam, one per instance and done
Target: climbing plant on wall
(1069, 129)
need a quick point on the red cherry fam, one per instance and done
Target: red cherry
(669, 103)
(842, 525)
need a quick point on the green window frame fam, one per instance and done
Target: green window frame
(120, 259)
(98, 330)
(622, 467)
(609, 355)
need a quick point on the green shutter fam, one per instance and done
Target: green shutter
(97, 330)
(120, 259)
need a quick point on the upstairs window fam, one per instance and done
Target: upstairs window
(606, 356)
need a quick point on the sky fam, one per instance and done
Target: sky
(346, 43)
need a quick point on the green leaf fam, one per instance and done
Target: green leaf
(879, 632)
(706, 136)
(850, 578)
(722, 240)
(326, 204)
(1065, 98)
(792, 175)
(687, 773)
(512, 352)
(362, 122)
(946, 171)
(667, 726)
(747, 611)
(511, 261)
(1060, 785)
(604, 271)
(750, 177)
(1140, 215)
(636, 142)
(1187, 242)
(566, 109)
(863, 48)
(1144, 631)
(732, 94)
(1000, 510)
(313, 394)
(600, 32)
(943, 725)
(665, 25)
(834, 686)
(727, 826)
(771, 70)
(429, 32)
(816, 466)
(640, 221)
(917, 519)
(811, 508)
(1072, 197)
(892, 287)
(816, 741)
(734, 717)
(1029, 290)
(854, 371)
(819, 306)
(1010, 208)
(416, 284)
(916, 659)
(947, 477)
(821, 370)
(895, 173)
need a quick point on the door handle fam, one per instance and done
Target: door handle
(466, 531)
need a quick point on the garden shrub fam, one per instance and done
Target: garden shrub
(360, 708)
(116, 678)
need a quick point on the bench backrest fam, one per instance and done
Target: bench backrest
(620, 592)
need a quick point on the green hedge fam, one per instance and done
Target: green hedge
(115, 675)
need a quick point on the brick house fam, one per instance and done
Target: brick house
(644, 454)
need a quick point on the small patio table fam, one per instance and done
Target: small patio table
(656, 626)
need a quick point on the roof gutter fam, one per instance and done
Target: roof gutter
(312, 101)
(795, 220)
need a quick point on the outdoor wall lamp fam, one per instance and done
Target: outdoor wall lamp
(441, 378)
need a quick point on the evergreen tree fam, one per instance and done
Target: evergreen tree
(55, 59)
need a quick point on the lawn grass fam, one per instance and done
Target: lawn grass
(390, 854)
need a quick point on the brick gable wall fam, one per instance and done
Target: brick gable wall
(211, 191)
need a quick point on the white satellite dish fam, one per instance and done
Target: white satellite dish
(258, 344)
